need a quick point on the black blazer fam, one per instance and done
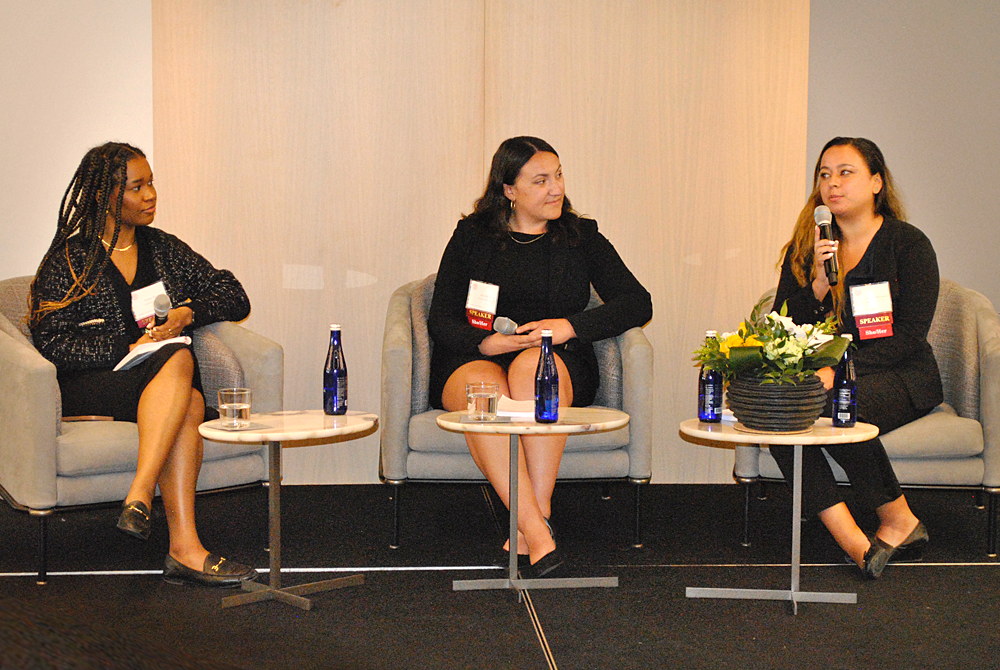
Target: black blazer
(901, 255)
(471, 253)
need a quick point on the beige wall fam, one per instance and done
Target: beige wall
(72, 75)
(323, 151)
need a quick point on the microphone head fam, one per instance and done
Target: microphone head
(504, 326)
(822, 215)
(161, 305)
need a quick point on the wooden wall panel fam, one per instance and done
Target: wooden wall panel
(349, 137)
(330, 145)
(681, 126)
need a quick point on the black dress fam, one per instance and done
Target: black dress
(103, 392)
(538, 279)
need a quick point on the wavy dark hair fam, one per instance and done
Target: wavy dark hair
(493, 209)
(82, 214)
(887, 203)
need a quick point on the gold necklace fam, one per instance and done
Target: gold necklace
(511, 233)
(116, 248)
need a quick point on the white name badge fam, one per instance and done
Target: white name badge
(872, 307)
(142, 303)
(481, 305)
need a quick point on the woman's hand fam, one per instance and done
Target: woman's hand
(498, 343)
(178, 319)
(826, 375)
(562, 330)
(822, 251)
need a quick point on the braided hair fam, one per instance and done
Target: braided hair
(82, 214)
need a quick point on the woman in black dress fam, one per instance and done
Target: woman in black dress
(82, 319)
(898, 379)
(525, 238)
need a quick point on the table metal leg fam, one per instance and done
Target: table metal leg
(512, 581)
(291, 595)
(793, 595)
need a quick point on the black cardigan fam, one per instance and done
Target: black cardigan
(471, 252)
(71, 343)
(901, 255)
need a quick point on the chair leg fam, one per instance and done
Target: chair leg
(605, 491)
(980, 502)
(747, 486)
(991, 521)
(395, 490)
(637, 541)
(43, 527)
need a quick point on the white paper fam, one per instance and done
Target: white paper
(871, 299)
(483, 297)
(519, 409)
(142, 302)
(144, 351)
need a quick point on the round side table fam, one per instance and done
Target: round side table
(284, 430)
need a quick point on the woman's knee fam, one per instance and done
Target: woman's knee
(453, 396)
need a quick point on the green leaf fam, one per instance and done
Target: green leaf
(829, 354)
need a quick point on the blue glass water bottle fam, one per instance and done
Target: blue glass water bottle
(335, 375)
(546, 383)
(845, 390)
(710, 391)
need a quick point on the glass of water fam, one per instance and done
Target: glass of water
(234, 408)
(482, 398)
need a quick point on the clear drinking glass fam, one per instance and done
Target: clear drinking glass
(482, 398)
(234, 408)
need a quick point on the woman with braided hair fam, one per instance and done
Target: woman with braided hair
(84, 318)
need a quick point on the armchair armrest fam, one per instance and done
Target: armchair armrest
(262, 360)
(637, 400)
(29, 402)
(397, 384)
(989, 392)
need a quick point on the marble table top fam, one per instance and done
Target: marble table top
(293, 425)
(571, 420)
(822, 432)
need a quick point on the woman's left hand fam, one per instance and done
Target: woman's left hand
(562, 330)
(178, 319)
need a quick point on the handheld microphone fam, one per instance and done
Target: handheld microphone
(504, 326)
(161, 307)
(824, 219)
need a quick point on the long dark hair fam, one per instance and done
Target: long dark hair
(887, 203)
(493, 209)
(82, 214)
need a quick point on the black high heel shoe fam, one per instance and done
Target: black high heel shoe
(544, 566)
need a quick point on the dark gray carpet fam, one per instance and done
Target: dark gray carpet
(938, 614)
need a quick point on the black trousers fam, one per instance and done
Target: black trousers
(882, 400)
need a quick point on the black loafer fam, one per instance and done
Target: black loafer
(545, 566)
(912, 548)
(503, 561)
(135, 519)
(217, 572)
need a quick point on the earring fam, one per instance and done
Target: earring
(512, 206)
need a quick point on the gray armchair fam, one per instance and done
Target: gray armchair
(957, 445)
(414, 449)
(47, 463)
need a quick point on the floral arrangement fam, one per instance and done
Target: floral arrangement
(773, 348)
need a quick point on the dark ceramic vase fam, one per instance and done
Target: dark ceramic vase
(788, 407)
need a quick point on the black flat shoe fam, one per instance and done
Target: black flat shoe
(876, 558)
(217, 572)
(135, 519)
(912, 548)
(544, 566)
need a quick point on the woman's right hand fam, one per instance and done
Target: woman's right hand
(822, 251)
(498, 343)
